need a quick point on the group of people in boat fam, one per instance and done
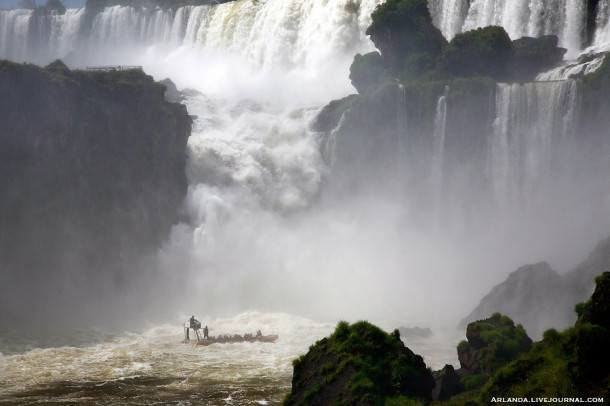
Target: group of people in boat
(196, 325)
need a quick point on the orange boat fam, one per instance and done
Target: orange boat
(237, 339)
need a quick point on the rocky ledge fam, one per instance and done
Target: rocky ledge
(92, 178)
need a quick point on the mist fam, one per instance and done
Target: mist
(267, 223)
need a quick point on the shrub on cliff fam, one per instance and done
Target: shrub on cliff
(492, 343)
(481, 52)
(359, 364)
(531, 56)
(367, 71)
(567, 364)
(402, 28)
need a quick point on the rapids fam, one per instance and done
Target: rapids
(152, 366)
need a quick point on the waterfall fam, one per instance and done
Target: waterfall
(602, 23)
(267, 34)
(438, 151)
(449, 15)
(533, 18)
(533, 126)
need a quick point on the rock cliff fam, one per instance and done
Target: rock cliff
(92, 177)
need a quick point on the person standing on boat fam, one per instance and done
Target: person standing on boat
(194, 323)
(205, 333)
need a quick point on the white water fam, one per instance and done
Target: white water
(438, 150)
(534, 126)
(154, 367)
(533, 18)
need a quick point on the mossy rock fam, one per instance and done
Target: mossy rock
(400, 28)
(492, 343)
(481, 52)
(359, 364)
(368, 71)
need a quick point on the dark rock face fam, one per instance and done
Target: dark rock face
(401, 28)
(567, 364)
(92, 177)
(597, 310)
(447, 382)
(492, 343)
(359, 364)
(539, 298)
(527, 293)
(582, 279)
(533, 55)
(329, 117)
(481, 52)
(367, 71)
(593, 339)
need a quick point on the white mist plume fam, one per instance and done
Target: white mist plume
(262, 233)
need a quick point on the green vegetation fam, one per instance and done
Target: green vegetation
(368, 70)
(360, 363)
(402, 28)
(481, 52)
(492, 343)
(563, 364)
(543, 371)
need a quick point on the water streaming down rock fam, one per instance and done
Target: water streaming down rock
(532, 131)
(438, 150)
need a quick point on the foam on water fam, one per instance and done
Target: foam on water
(154, 361)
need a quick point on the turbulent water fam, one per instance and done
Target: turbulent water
(262, 231)
(154, 367)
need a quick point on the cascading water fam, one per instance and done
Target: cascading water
(565, 18)
(438, 150)
(534, 125)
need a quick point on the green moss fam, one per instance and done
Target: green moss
(544, 371)
(368, 70)
(366, 363)
(481, 52)
(402, 401)
(403, 27)
(472, 381)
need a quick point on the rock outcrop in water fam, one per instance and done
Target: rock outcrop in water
(359, 364)
(92, 178)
